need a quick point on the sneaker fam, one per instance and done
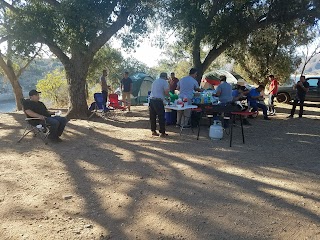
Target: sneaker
(178, 125)
(266, 118)
(154, 133)
(186, 126)
(163, 135)
(290, 116)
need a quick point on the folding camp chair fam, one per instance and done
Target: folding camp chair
(115, 103)
(36, 125)
(98, 107)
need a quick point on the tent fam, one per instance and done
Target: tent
(141, 85)
(211, 79)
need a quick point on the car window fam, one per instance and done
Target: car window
(314, 82)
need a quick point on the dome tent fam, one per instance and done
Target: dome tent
(141, 84)
(212, 78)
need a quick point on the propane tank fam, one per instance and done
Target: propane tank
(216, 130)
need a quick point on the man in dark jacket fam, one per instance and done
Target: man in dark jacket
(302, 88)
(36, 109)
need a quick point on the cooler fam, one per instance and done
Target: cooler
(170, 116)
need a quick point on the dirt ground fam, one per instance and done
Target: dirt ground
(110, 179)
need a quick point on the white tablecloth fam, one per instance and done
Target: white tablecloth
(174, 107)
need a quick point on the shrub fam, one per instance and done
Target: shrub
(54, 88)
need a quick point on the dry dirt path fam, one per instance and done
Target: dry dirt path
(111, 180)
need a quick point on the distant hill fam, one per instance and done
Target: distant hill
(37, 70)
(313, 67)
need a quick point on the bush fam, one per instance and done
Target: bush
(54, 88)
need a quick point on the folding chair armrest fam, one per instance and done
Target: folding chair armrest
(27, 119)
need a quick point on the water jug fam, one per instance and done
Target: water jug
(216, 130)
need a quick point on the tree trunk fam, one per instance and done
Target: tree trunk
(17, 89)
(76, 73)
(11, 75)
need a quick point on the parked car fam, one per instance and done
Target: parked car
(287, 93)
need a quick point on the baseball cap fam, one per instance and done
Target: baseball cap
(33, 92)
(241, 82)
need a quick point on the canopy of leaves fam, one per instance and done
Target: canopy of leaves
(269, 51)
(220, 24)
(75, 25)
(112, 60)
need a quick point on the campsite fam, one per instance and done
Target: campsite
(111, 180)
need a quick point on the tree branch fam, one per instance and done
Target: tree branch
(108, 32)
(56, 50)
(7, 5)
(3, 39)
(21, 70)
(53, 3)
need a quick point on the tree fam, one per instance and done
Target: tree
(12, 63)
(218, 25)
(269, 51)
(310, 53)
(74, 30)
(113, 60)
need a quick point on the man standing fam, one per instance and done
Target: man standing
(173, 82)
(36, 109)
(159, 89)
(302, 88)
(126, 88)
(273, 91)
(186, 86)
(104, 85)
(254, 97)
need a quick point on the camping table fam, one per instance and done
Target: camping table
(209, 109)
(175, 107)
(240, 114)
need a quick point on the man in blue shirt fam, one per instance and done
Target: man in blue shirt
(254, 97)
(224, 91)
(187, 86)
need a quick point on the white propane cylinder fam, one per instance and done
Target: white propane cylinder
(216, 130)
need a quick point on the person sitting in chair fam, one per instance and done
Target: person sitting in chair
(254, 98)
(36, 109)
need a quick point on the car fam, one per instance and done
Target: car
(287, 93)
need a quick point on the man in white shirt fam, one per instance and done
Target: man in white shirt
(186, 86)
(159, 90)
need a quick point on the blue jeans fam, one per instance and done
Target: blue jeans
(57, 125)
(255, 107)
(271, 102)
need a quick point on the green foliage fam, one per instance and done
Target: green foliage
(268, 51)
(112, 60)
(218, 25)
(54, 88)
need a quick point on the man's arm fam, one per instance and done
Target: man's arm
(34, 115)
(306, 89)
(131, 85)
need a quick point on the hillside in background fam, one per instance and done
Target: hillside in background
(37, 70)
(313, 67)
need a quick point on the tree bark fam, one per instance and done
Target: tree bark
(76, 73)
(17, 89)
(9, 72)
